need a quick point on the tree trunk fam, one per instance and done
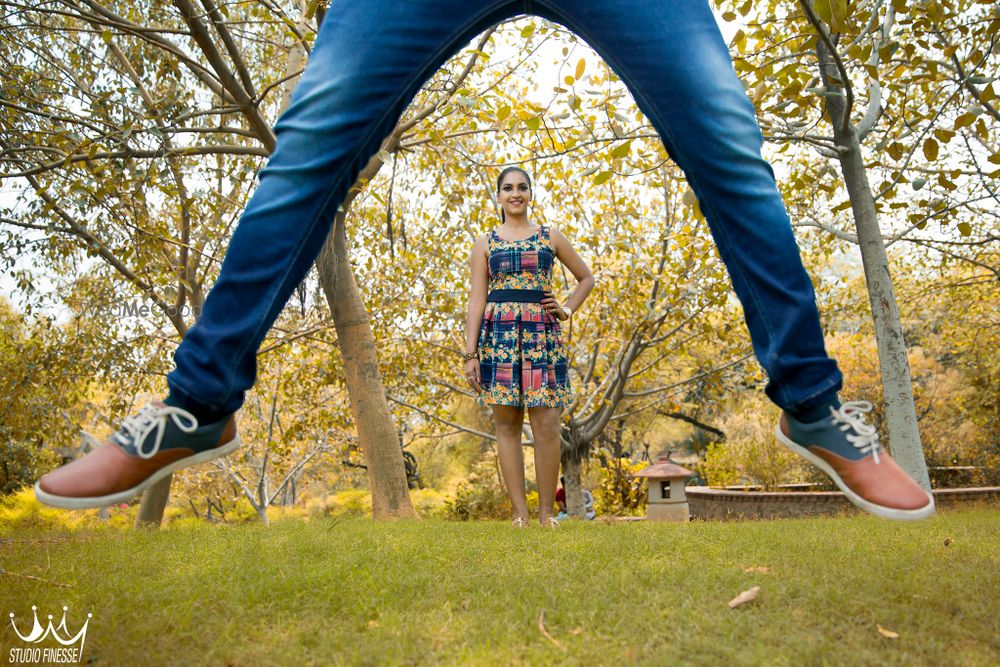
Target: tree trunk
(262, 514)
(376, 427)
(572, 467)
(154, 501)
(900, 412)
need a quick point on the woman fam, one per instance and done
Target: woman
(514, 353)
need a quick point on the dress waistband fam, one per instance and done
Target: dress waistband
(516, 295)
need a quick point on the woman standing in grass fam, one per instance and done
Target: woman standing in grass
(515, 359)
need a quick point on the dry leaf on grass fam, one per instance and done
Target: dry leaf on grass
(373, 623)
(947, 541)
(34, 578)
(744, 597)
(886, 633)
(763, 569)
(545, 633)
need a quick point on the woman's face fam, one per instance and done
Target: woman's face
(514, 194)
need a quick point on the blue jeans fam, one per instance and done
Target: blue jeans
(368, 61)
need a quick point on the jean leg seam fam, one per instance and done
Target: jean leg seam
(312, 224)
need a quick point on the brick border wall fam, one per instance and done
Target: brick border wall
(722, 504)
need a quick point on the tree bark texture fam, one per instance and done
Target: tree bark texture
(369, 407)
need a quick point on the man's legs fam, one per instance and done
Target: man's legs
(672, 57)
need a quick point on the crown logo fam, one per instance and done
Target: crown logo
(39, 633)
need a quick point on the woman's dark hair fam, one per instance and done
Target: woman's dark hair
(527, 177)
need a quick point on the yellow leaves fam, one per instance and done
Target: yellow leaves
(944, 136)
(528, 30)
(834, 13)
(689, 198)
(931, 149)
(740, 43)
(982, 131)
(964, 120)
(621, 150)
(965, 229)
(792, 90)
(533, 123)
(580, 68)
(602, 177)
(896, 150)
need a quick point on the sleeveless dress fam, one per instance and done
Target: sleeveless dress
(521, 351)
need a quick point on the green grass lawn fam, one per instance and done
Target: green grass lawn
(417, 592)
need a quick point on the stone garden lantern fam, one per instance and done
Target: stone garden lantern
(667, 500)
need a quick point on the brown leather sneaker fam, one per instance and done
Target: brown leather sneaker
(151, 444)
(846, 448)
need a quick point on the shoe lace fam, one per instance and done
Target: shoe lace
(851, 416)
(139, 425)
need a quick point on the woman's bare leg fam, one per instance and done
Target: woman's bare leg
(545, 427)
(508, 420)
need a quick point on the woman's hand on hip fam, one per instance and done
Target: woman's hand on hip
(553, 307)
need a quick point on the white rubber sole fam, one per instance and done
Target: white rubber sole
(71, 503)
(868, 506)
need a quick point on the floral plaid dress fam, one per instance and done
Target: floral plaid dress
(521, 351)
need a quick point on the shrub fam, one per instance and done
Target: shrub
(429, 502)
(22, 511)
(618, 492)
(349, 503)
(751, 454)
(477, 502)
